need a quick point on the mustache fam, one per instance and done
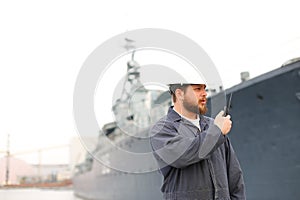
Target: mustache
(202, 99)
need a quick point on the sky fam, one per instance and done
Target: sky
(43, 45)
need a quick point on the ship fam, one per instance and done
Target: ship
(265, 135)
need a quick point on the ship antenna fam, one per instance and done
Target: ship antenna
(132, 71)
(129, 44)
(132, 55)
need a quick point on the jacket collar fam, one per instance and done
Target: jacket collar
(173, 115)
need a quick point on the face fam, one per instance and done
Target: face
(195, 99)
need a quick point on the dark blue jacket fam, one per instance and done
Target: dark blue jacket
(194, 164)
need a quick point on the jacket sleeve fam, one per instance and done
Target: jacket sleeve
(175, 148)
(235, 175)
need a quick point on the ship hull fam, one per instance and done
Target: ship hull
(266, 133)
(118, 185)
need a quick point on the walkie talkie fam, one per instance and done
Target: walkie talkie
(227, 107)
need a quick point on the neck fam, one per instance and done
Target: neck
(179, 109)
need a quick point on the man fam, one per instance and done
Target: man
(193, 151)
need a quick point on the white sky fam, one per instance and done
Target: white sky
(43, 45)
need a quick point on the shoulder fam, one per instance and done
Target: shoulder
(208, 119)
(163, 123)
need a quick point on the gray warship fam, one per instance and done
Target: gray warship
(266, 137)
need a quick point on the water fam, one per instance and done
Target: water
(37, 194)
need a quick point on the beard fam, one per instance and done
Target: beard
(198, 109)
(202, 109)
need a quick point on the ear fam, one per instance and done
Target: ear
(179, 94)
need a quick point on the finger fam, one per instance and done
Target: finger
(221, 113)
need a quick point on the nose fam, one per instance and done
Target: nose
(203, 93)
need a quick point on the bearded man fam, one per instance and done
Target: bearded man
(193, 151)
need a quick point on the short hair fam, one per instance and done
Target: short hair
(174, 87)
